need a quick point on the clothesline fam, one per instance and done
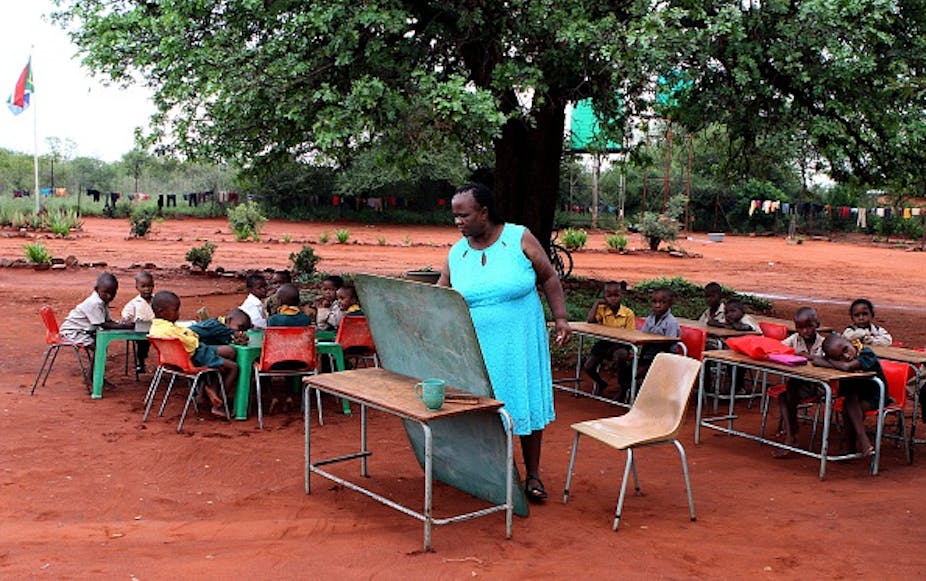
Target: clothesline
(844, 212)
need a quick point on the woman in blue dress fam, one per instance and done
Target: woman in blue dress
(497, 267)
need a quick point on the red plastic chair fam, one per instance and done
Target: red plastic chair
(355, 339)
(773, 330)
(174, 360)
(286, 352)
(695, 341)
(639, 322)
(55, 343)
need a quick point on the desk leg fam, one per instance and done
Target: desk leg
(428, 468)
(307, 398)
(509, 470)
(635, 352)
(575, 386)
(733, 373)
(827, 413)
(697, 434)
(99, 364)
(363, 441)
(243, 387)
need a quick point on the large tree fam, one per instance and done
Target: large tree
(253, 81)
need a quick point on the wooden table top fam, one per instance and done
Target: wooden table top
(717, 332)
(809, 371)
(394, 393)
(619, 333)
(901, 354)
(789, 323)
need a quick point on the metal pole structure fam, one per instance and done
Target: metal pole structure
(666, 185)
(596, 174)
(688, 182)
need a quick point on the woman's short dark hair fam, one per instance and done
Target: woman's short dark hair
(483, 196)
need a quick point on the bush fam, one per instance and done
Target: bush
(324, 237)
(201, 256)
(140, 222)
(658, 228)
(37, 253)
(342, 235)
(616, 242)
(573, 238)
(245, 221)
(304, 263)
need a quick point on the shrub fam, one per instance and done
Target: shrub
(245, 221)
(201, 256)
(287, 238)
(140, 222)
(324, 237)
(342, 235)
(658, 228)
(574, 238)
(304, 263)
(37, 253)
(617, 242)
(381, 240)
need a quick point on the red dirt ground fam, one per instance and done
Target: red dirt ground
(88, 489)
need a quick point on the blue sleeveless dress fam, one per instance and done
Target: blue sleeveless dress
(500, 287)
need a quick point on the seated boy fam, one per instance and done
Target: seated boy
(348, 301)
(289, 315)
(660, 321)
(233, 329)
(277, 279)
(328, 313)
(714, 314)
(808, 342)
(166, 307)
(609, 311)
(139, 309)
(735, 317)
(253, 305)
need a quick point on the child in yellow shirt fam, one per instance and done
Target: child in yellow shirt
(609, 311)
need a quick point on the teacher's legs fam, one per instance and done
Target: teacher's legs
(530, 449)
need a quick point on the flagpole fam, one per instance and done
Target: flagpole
(35, 142)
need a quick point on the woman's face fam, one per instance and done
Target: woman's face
(469, 218)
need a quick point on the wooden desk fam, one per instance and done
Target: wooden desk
(826, 378)
(719, 334)
(394, 394)
(632, 338)
(789, 323)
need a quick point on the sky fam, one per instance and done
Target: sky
(68, 102)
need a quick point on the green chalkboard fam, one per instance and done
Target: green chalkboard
(422, 331)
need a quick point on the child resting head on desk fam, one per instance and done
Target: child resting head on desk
(166, 307)
(233, 329)
(609, 311)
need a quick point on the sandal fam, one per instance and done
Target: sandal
(534, 489)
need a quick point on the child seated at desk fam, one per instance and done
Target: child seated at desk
(289, 315)
(808, 342)
(277, 279)
(735, 317)
(233, 329)
(166, 307)
(660, 321)
(139, 310)
(609, 311)
(348, 302)
(863, 327)
(715, 313)
(82, 323)
(253, 305)
(328, 309)
(859, 394)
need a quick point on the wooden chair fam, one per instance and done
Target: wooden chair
(286, 352)
(655, 418)
(55, 342)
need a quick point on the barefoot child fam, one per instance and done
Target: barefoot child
(863, 327)
(166, 307)
(660, 321)
(139, 309)
(735, 317)
(807, 342)
(609, 311)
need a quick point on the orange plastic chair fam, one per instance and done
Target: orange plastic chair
(773, 330)
(55, 342)
(286, 352)
(695, 341)
(355, 339)
(175, 361)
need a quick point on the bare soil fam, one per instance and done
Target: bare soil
(87, 489)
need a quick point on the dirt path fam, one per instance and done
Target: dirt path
(87, 488)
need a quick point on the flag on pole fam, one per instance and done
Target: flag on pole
(19, 100)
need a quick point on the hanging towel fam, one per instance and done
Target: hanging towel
(752, 207)
(906, 213)
(916, 211)
(880, 212)
(785, 208)
(862, 221)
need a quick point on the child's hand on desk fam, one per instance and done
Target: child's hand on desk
(240, 338)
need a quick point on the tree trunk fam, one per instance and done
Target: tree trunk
(527, 164)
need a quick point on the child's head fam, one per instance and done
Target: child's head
(862, 312)
(734, 311)
(662, 301)
(279, 278)
(330, 286)
(613, 294)
(144, 284)
(106, 287)
(347, 296)
(238, 320)
(288, 295)
(257, 285)
(806, 322)
(838, 348)
(166, 305)
(713, 293)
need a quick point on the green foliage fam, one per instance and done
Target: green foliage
(62, 221)
(342, 235)
(381, 240)
(658, 228)
(616, 242)
(324, 237)
(304, 263)
(37, 253)
(140, 222)
(246, 221)
(573, 238)
(201, 256)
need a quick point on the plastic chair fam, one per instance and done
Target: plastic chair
(639, 322)
(695, 341)
(174, 360)
(355, 339)
(773, 330)
(286, 352)
(55, 342)
(655, 418)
